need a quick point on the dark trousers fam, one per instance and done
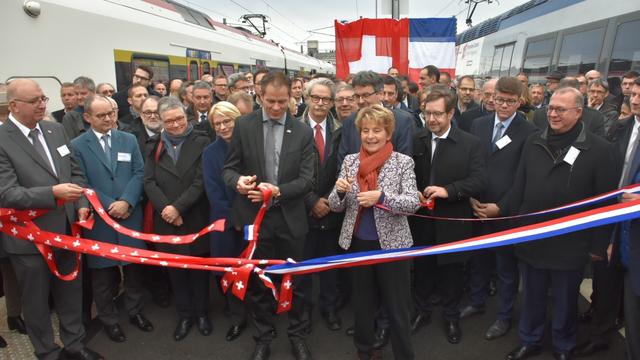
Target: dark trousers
(605, 299)
(506, 265)
(156, 278)
(424, 267)
(321, 243)
(276, 242)
(564, 286)
(36, 283)
(191, 292)
(11, 288)
(632, 318)
(105, 282)
(388, 285)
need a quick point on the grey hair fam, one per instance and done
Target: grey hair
(169, 103)
(85, 82)
(234, 78)
(368, 78)
(599, 82)
(577, 95)
(344, 87)
(199, 85)
(91, 99)
(323, 82)
(103, 84)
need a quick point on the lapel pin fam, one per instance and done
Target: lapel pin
(289, 131)
(49, 131)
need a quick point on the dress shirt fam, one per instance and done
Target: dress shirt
(632, 140)
(25, 130)
(434, 143)
(323, 125)
(505, 123)
(99, 136)
(278, 133)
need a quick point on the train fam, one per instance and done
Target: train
(540, 36)
(54, 41)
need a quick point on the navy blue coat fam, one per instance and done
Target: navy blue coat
(120, 181)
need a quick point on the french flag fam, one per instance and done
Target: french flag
(249, 232)
(406, 44)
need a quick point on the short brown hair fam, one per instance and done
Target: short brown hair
(275, 79)
(437, 93)
(146, 69)
(378, 114)
(509, 85)
(130, 91)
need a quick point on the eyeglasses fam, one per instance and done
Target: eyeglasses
(150, 113)
(364, 96)
(141, 77)
(501, 101)
(225, 122)
(34, 101)
(438, 115)
(316, 99)
(176, 121)
(348, 99)
(559, 110)
(102, 116)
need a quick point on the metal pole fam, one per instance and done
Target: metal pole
(395, 9)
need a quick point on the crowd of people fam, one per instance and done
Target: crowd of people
(346, 162)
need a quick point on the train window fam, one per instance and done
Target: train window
(186, 14)
(159, 65)
(580, 51)
(200, 19)
(538, 57)
(193, 70)
(501, 64)
(497, 58)
(206, 68)
(626, 49)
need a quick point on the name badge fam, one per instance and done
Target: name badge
(126, 157)
(63, 151)
(504, 141)
(571, 156)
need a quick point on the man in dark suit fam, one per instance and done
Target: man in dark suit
(449, 166)
(486, 106)
(73, 121)
(272, 149)
(135, 97)
(368, 88)
(409, 100)
(112, 163)
(198, 114)
(68, 97)
(149, 126)
(37, 169)
(503, 136)
(297, 87)
(142, 75)
(466, 90)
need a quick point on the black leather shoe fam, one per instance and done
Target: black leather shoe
(470, 310)
(499, 329)
(300, 350)
(3, 342)
(350, 330)
(332, 320)
(382, 339)
(84, 354)
(261, 352)
(454, 334)
(182, 329)
(204, 325)
(235, 331)
(589, 348)
(561, 355)
(141, 322)
(523, 352)
(17, 324)
(115, 333)
(419, 321)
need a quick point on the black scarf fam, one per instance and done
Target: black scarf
(559, 142)
(173, 143)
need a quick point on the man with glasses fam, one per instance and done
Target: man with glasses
(466, 90)
(105, 89)
(220, 89)
(368, 87)
(68, 97)
(503, 135)
(143, 76)
(485, 108)
(37, 168)
(149, 126)
(598, 91)
(345, 102)
(238, 82)
(113, 166)
(136, 96)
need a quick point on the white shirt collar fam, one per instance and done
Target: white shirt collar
(149, 132)
(23, 129)
(443, 136)
(99, 135)
(506, 123)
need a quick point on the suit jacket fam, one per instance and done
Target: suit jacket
(58, 115)
(398, 183)
(180, 185)
(26, 179)
(466, 119)
(129, 120)
(119, 179)
(138, 130)
(74, 123)
(458, 163)
(457, 120)
(202, 126)
(413, 103)
(300, 109)
(295, 170)
(593, 120)
(401, 139)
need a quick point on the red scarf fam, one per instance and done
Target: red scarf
(370, 165)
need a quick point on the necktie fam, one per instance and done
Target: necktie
(270, 153)
(497, 136)
(432, 172)
(203, 118)
(627, 174)
(33, 135)
(319, 142)
(107, 148)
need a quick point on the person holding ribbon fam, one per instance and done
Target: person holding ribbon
(173, 183)
(228, 243)
(378, 176)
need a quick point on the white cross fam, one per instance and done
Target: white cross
(239, 285)
(47, 242)
(30, 237)
(164, 263)
(14, 231)
(116, 226)
(142, 260)
(95, 247)
(101, 210)
(134, 253)
(287, 284)
(57, 239)
(49, 256)
(176, 239)
(155, 238)
(32, 213)
(368, 58)
(155, 256)
(135, 234)
(284, 304)
(76, 243)
(89, 192)
(115, 250)
(185, 266)
(13, 218)
(225, 283)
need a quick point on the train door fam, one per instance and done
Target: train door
(193, 69)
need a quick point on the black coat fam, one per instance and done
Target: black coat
(58, 115)
(544, 182)
(180, 185)
(593, 119)
(459, 165)
(202, 126)
(467, 118)
(139, 131)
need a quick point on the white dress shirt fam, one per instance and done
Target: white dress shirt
(25, 130)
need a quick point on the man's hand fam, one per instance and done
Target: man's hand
(626, 197)
(246, 184)
(170, 214)
(368, 198)
(177, 222)
(67, 192)
(609, 252)
(484, 210)
(256, 195)
(119, 209)
(434, 192)
(321, 208)
(84, 214)
(343, 185)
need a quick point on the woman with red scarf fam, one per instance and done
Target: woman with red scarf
(378, 175)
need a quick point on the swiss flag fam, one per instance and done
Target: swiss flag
(371, 44)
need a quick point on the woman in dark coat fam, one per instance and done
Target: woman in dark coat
(228, 243)
(173, 183)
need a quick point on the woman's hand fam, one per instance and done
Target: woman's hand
(368, 198)
(344, 185)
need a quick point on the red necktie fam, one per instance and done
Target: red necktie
(319, 142)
